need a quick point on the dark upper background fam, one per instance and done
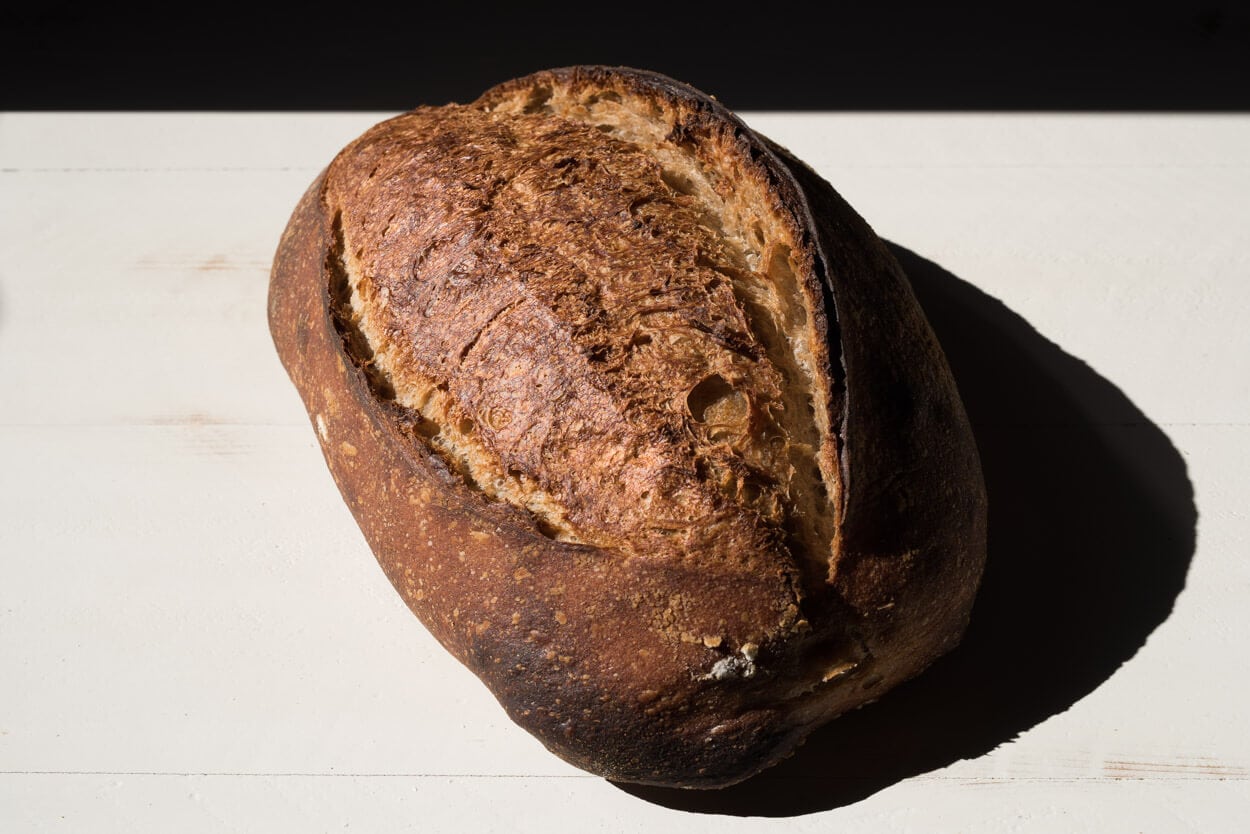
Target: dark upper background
(1146, 56)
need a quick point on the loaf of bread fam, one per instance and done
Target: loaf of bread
(639, 417)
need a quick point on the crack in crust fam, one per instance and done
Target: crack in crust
(571, 289)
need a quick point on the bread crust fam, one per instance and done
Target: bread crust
(694, 665)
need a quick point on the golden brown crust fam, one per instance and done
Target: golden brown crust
(411, 289)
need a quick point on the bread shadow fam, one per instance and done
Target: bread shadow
(1092, 529)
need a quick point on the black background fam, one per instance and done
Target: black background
(1147, 56)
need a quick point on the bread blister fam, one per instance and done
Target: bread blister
(580, 359)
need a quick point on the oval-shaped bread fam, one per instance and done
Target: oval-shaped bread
(639, 417)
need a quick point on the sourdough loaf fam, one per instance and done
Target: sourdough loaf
(638, 416)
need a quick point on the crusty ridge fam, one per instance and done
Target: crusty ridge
(579, 229)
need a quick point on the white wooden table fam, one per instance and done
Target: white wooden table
(195, 637)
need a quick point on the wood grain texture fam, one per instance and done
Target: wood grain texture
(171, 612)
